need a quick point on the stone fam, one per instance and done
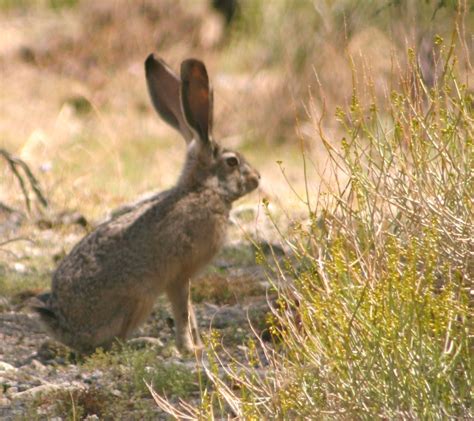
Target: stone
(6, 367)
(38, 366)
(43, 389)
(144, 341)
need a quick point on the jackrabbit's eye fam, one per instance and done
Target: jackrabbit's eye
(232, 161)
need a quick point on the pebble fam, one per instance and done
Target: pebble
(38, 390)
(19, 267)
(4, 304)
(6, 367)
(143, 341)
(90, 378)
(38, 365)
(12, 390)
(117, 393)
(4, 401)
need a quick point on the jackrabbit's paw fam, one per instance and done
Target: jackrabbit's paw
(186, 347)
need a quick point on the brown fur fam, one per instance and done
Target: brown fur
(107, 285)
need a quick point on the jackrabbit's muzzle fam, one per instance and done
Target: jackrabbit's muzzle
(251, 179)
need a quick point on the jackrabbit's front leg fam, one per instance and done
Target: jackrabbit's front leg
(187, 334)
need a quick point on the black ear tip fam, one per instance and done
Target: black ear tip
(149, 63)
(152, 61)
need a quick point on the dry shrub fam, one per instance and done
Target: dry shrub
(375, 304)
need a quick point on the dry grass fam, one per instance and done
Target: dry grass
(374, 312)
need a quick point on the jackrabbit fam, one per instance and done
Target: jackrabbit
(107, 285)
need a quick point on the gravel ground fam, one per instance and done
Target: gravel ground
(33, 366)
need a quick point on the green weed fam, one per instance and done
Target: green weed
(135, 367)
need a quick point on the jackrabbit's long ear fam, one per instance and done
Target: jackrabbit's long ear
(164, 87)
(196, 98)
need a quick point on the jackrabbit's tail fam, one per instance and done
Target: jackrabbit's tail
(41, 305)
(56, 328)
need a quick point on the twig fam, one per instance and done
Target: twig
(7, 209)
(15, 163)
(13, 240)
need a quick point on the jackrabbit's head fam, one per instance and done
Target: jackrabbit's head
(186, 104)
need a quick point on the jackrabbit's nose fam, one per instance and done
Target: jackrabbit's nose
(253, 180)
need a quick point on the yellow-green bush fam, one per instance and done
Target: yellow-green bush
(373, 315)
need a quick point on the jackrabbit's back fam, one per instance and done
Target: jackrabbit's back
(138, 255)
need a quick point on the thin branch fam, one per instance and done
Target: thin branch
(15, 164)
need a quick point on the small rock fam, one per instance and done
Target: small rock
(117, 393)
(33, 392)
(4, 304)
(90, 378)
(38, 365)
(6, 367)
(12, 390)
(19, 267)
(4, 401)
(145, 341)
(46, 166)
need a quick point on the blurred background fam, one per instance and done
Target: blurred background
(74, 105)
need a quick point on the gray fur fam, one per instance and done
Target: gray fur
(107, 285)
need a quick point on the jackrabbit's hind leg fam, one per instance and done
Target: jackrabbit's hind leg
(137, 313)
(185, 320)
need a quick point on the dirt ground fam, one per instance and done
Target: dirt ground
(35, 371)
